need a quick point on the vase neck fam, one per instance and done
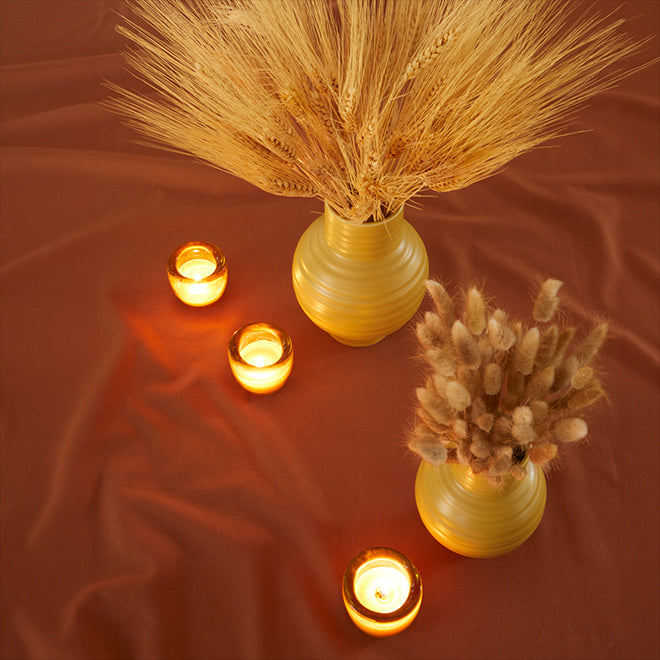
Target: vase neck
(363, 241)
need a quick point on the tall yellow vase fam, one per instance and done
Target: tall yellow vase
(360, 283)
(470, 516)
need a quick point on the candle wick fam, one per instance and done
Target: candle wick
(384, 594)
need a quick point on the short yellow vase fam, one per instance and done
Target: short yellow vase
(472, 517)
(360, 283)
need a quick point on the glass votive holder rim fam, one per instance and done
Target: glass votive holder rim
(254, 332)
(210, 250)
(382, 552)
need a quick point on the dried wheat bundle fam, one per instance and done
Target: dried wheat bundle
(364, 103)
(500, 392)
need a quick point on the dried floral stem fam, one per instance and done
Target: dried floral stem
(500, 392)
(365, 106)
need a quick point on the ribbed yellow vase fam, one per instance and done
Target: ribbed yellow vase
(360, 283)
(470, 516)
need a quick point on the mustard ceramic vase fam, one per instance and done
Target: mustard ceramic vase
(360, 283)
(472, 517)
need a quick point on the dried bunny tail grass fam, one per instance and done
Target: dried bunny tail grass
(547, 301)
(502, 450)
(570, 429)
(427, 446)
(523, 433)
(500, 465)
(502, 427)
(466, 347)
(564, 373)
(486, 349)
(425, 336)
(582, 377)
(463, 453)
(470, 379)
(539, 384)
(475, 311)
(587, 396)
(477, 408)
(526, 351)
(496, 397)
(439, 386)
(460, 428)
(563, 341)
(591, 344)
(438, 408)
(485, 422)
(431, 332)
(442, 301)
(518, 472)
(457, 396)
(547, 347)
(479, 465)
(515, 386)
(480, 446)
(542, 454)
(493, 378)
(540, 411)
(500, 316)
(430, 423)
(442, 360)
(500, 335)
(523, 415)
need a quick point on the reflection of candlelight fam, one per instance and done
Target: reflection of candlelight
(261, 357)
(198, 273)
(262, 352)
(382, 591)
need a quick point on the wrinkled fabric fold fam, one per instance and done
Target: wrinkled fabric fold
(153, 509)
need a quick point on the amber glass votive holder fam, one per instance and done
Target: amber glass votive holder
(197, 272)
(382, 591)
(261, 357)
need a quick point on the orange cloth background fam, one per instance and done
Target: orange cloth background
(152, 509)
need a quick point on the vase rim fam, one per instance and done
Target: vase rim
(377, 223)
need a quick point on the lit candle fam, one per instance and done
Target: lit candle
(382, 591)
(198, 273)
(261, 357)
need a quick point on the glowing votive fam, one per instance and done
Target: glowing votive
(198, 273)
(261, 357)
(382, 591)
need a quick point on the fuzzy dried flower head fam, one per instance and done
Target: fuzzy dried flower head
(512, 393)
(475, 309)
(547, 301)
(364, 104)
(467, 349)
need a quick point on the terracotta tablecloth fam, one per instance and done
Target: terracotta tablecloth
(153, 509)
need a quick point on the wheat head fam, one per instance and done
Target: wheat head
(360, 103)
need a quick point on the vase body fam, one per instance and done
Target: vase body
(360, 283)
(470, 516)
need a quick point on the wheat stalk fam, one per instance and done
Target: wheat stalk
(499, 392)
(365, 106)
